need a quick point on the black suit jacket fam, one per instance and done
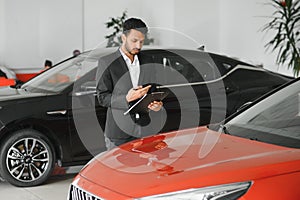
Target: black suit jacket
(113, 84)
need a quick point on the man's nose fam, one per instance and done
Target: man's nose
(138, 45)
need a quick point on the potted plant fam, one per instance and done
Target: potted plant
(286, 24)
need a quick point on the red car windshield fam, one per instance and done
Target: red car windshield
(274, 120)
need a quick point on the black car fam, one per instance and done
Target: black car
(55, 118)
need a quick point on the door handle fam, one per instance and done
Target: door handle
(61, 112)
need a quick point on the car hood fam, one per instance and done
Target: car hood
(187, 159)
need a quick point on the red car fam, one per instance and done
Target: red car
(254, 155)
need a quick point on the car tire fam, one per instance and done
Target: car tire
(27, 158)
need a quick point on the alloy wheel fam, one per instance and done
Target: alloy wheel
(27, 159)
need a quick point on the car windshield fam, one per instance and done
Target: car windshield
(63, 75)
(274, 120)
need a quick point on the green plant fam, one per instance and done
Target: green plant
(286, 24)
(114, 39)
(116, 23)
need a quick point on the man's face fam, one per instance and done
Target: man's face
(133, 42)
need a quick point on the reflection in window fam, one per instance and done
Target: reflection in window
(199, 72)
(282, 117)
(62, 76)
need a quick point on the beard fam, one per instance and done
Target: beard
(133, 51)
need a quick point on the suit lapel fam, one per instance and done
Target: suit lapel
(143, 77)
(147, 70)
(142, 71)
(124, 68)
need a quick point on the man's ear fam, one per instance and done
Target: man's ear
(123, 37)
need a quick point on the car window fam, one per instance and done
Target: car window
(193, 66)
(283, 115)
(62, 76)
(175, 64)
(275, 120)
(225, 64)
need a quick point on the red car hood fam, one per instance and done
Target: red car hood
(185, 159)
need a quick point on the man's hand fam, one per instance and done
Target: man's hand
(136, 93)
(155, 105)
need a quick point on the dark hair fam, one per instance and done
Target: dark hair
(134, 23)
(48, 63)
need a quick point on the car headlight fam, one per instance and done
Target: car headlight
(228, 191)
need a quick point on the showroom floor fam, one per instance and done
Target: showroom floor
(55, 188)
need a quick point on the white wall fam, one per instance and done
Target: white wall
(171, 22)
(2, 22)
(199, 20)
(160, 17)
(96, 13)
(36, 30)
(241, 35)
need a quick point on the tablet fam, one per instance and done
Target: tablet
(141, 105)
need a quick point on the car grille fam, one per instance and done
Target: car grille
(76, 193)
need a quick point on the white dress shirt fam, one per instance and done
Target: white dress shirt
(134, 68)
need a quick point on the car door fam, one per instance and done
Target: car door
(196, 91)
(87, 120)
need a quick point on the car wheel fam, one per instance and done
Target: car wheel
(26, 158)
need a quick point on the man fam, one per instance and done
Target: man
(120, 80)
(48, 64)
(76, 52)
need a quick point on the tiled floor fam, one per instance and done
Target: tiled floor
(56, 188)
